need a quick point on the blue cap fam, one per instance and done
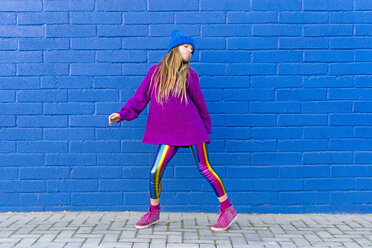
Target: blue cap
(178, 38)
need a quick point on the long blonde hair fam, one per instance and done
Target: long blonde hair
(170, 77)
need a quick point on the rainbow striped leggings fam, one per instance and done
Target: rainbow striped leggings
(165, 154)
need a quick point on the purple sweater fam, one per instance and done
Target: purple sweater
(176, 124)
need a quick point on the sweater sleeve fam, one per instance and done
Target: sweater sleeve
(197, 97)
(138, 102)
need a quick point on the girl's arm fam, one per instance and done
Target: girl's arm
(197, 97)
(138, 102)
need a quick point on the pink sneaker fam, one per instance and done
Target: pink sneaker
(148, 219)
(225, 220)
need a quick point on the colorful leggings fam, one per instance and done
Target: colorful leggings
(200, 153)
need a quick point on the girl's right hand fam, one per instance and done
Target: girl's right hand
(114, 117)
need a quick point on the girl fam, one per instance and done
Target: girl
(178, 117)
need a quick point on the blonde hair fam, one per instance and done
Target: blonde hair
(169, 77)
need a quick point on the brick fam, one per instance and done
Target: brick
(328, 184)
(328, 132)
(57, 31)
(327, 107)
(225, 5)
(42, 121)
(245, 198)
(68, 108)
(72, 185)
(363, 5)
(21, 159)
(21, 134)
(241, 120)
(43, 18)
(124, 30)
(43, 198)
(8, 44)
(7, 95)
(23, 5)
(94, 146)
(191, 17)
(95, 18)
(328, 30)
(20, 57)
(250, 69)
(302, 120)
(28, 186)
(42, 146)
(275, 107)
(93, 69)
(95, 43)
(7, 147)
(226, 30)
(277, 185)
(68, 5)
(68, 134)
(276, 30)
(275, 5)
(277, 56)
(68, 56)
(303, 17)
(43, 43)
(350, 17)
(119, 185)
(303, 197)
(248, 94)
(350, 145)
(302, 145)
(122, 159)
(252, 43)
(122, 56)
(70, 159)
(120, 5)
(7, 70)
(148, 18)
(301, 95)
(303, 69)
(328, 6)
(328, 81)
(327, 157)
(82, 199)
(350, 42)
(329, 56)
(33, 69)
(349, 119)
(21, 31)
(8, 18)
(252, 172)
(8, 173)
(95, 172)
(307, 171)
(303, 43)
(267, 158)
(44, 96)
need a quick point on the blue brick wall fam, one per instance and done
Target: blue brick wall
(288, 85)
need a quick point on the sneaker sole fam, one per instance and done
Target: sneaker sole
(217, 229)
(142, 227)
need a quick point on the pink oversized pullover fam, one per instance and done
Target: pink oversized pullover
(176, 123)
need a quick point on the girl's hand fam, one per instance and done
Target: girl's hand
(115, 117)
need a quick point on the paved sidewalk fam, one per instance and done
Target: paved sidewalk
(182, 230)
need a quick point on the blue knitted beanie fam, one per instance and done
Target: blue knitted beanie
(178, 38)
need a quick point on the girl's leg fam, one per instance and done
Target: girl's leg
(200, 153)
(164, 154)
(228, 214)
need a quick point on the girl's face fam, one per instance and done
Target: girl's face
(185, 51)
